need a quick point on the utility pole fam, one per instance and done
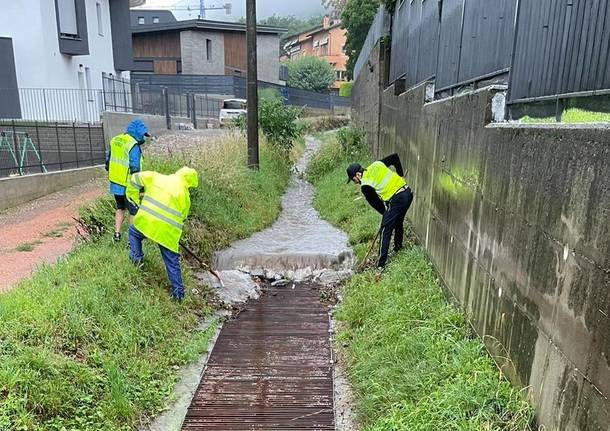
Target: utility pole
(201, 9)
(252, 85)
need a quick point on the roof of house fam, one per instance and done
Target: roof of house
(202, 24)
(302, 36)
(321, 28)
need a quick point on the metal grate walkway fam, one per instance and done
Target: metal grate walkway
(270, 368)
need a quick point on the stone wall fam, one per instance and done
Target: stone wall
(515, 219)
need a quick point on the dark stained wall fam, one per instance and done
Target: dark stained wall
(9, 94)
(121, 35)
(515, 219)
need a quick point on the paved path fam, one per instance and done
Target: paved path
(46, 225)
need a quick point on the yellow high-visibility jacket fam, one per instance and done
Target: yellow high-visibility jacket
(164, 205)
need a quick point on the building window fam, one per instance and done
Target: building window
(324, 50)
(67, 18)
(340, 75)
(208, 49)
(100, 22)
(90, 95)
(155, 20)
(141, 20)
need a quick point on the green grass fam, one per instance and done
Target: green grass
(571, 116)
(55, 233)
(411, 357)
(94, 344)
(27, 246)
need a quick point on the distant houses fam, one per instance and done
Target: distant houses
(163, 45)
(325, 41)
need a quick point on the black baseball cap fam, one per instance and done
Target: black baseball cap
(352, 170)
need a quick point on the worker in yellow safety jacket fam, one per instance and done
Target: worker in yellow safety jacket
(124, 157)
(163, 203)
(387, 192)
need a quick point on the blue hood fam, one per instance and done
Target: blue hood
(137, 129)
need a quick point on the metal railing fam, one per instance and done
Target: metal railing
(52, 104)
(30, 147)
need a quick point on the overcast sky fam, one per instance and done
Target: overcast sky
(265, 8)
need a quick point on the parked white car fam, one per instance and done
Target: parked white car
(231, 109)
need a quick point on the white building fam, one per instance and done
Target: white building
(64, 47)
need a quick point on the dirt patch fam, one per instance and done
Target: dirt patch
(40, 231)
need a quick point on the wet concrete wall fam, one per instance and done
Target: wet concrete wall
(515, 219)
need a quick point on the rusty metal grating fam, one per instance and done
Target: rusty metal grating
(270, 368)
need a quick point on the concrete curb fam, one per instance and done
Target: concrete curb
(18, 190)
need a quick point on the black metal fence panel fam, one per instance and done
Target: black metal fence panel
(449, 42)
(34, 147)
(380, 28)
(203, 84)
(215, 86)
(561, 47)
(487, 39)
(456, 41)
(398, 61)
(117, 93)
(415, 41)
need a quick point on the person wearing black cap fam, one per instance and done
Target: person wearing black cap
(387, 192)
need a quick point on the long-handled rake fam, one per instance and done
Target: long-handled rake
(202, 263)
(368, 253)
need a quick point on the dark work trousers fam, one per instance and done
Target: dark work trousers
(392, 221)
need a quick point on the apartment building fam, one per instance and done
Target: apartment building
(60, 44)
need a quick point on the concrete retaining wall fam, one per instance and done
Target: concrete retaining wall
(18, 190)
(516, 220)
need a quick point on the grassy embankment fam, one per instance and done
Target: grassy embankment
(94, 344)
(571, 116)
(411, 357)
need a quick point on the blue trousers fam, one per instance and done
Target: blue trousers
(171, 260)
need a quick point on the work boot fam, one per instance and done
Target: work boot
(117, 237)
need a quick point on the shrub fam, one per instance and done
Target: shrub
(278, 123)
(310, 73)
(345, 89)
(352, 141)
(269, 94)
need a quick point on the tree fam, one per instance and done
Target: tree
(292, 23)
(336, 6)
(310, 73)
(357, 18)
